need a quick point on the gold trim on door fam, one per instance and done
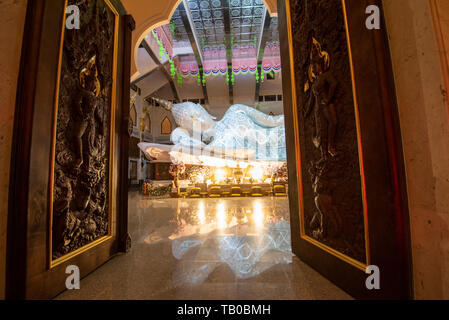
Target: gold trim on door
(53, 263)
(360, 265)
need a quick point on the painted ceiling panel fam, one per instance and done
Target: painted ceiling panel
(225, 33)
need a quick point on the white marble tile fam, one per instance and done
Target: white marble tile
(207, 249)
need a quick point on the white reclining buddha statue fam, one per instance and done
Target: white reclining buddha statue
(244, 133)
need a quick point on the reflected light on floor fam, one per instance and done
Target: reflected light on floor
(201, 213)
(250, 236)
(258, 215)
(221, 216)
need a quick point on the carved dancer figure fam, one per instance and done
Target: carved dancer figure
(323, 85)
(326, 222)
(86, 108)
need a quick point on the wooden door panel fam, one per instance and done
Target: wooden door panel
(77, 93)
(347, 196)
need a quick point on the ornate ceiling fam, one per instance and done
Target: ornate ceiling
(209, 17)
(227, 38)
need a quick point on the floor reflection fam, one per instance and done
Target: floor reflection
(220, 249)
(249, 235)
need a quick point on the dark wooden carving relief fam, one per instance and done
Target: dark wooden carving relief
(81, 177)
(331, 178)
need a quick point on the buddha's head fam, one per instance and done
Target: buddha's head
(193, 117)
(189, 116)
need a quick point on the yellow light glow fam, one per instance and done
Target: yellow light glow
(258, 215)
(220, 175)
(201, 213)
(257, 173)
(221, 216)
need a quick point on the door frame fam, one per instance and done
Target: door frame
(27, 207)
(389, 234)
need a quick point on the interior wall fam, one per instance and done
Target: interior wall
(440, 14)
(12, 15)
(424, 119)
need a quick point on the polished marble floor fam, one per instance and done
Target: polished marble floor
(207, 249)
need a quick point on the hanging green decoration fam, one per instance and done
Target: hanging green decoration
(172, 68)
(262, 76)
(161, 49)
(255, 40)
(172, 28)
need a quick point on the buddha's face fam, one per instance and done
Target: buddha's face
(192, 117)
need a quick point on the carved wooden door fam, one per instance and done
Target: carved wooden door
(346, 179)
(68, 203)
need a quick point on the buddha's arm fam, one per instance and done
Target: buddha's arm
(257, 116)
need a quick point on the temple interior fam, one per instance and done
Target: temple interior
(221, 66)
(208, 156)
(224, 150)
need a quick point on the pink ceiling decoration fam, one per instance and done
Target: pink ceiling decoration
(244, 59)
(215, 61)
(272, 57)
(187, 65)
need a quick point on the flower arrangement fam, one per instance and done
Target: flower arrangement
(150, 190)
(193, 173)
(281, 174)
(198, 174)
(177, 170)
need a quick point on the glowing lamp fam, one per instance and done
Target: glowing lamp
(257, 173)
(220, 175)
